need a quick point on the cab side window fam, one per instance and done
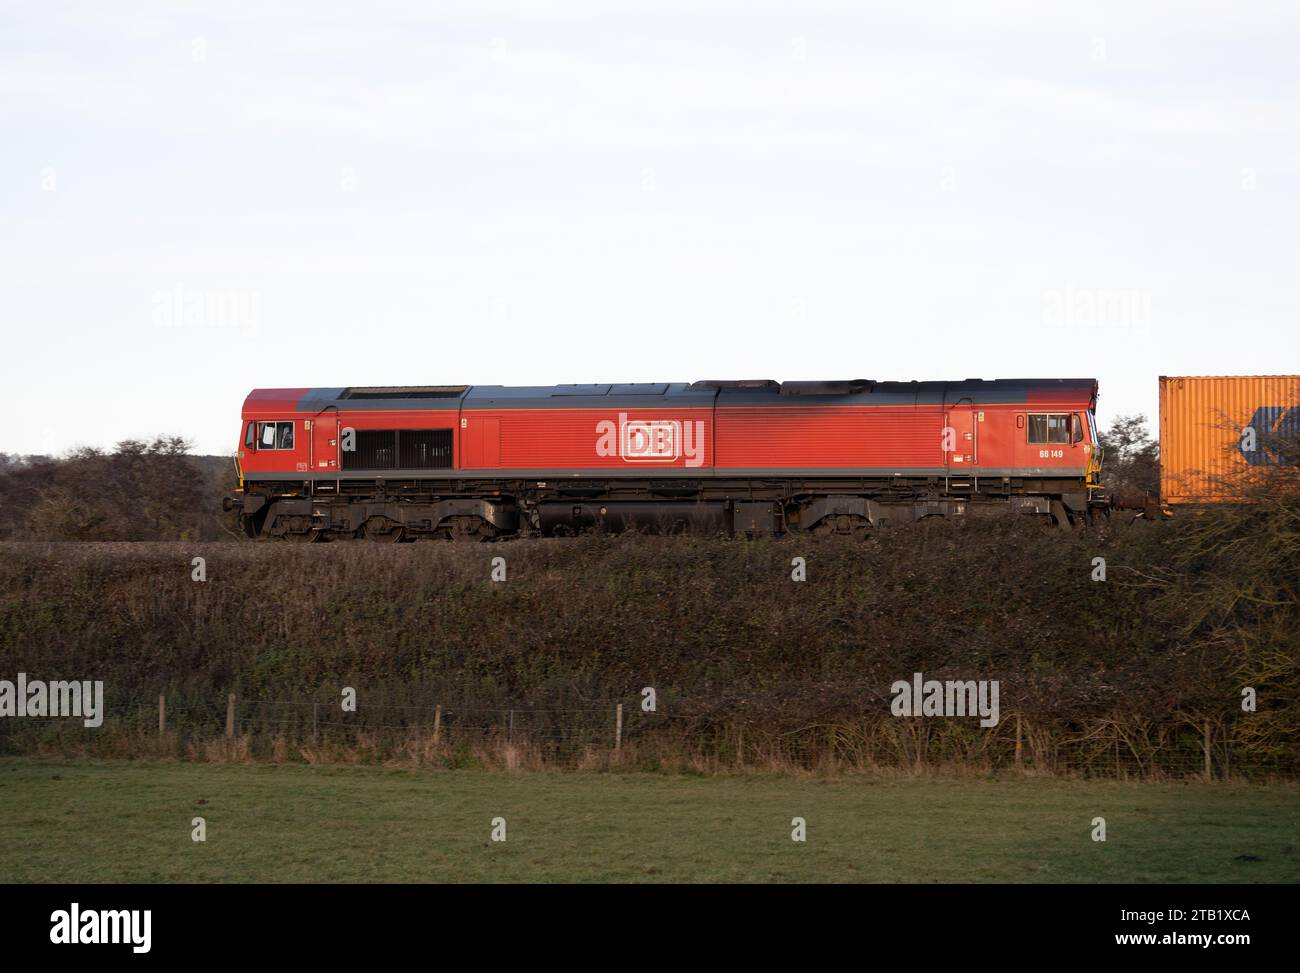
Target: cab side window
(275, 435)
(1049, 428)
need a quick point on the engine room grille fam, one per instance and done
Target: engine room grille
(425, 449)
(406, 392)
(404, 449)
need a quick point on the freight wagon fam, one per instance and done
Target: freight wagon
(752, 457)
(1215, 429)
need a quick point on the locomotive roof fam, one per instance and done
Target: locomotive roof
(754, 392)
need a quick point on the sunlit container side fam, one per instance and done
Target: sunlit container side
(1215, 428)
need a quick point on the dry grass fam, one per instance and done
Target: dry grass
(752, 670)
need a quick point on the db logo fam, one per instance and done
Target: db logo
(644, 441)
(651, 440)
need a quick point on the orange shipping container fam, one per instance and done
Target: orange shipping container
(1202, 419)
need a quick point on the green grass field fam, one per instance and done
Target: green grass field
(82, 821)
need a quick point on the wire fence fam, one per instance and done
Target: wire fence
(606, 732)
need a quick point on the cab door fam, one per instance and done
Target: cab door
(325, 442)
(961, 439)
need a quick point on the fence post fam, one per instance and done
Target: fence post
(510, 729)
(1209, 769)
(230, 716)
(315, 710)
(618, 727)
(162, 714)
(1019, 755)
(437, 723)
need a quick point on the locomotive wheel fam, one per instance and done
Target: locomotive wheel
(468, 529)
(382, 531)
(843, 525)
(294, 530)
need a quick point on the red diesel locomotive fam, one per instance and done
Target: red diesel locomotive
(478, 462)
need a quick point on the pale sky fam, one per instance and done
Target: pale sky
(197, 199)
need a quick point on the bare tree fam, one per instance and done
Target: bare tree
(1131, 459)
